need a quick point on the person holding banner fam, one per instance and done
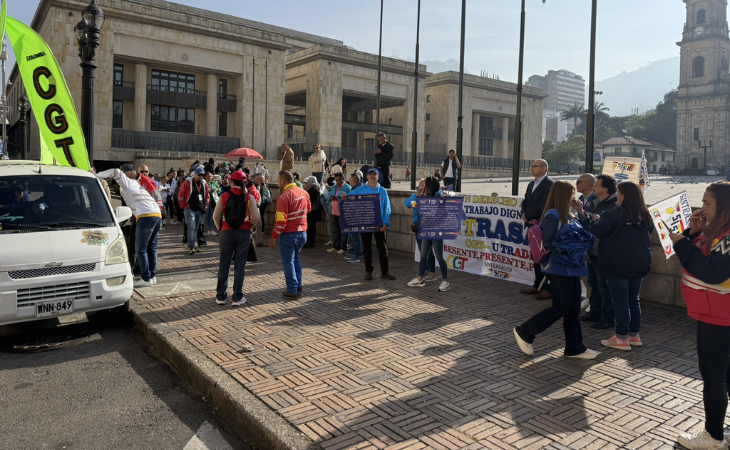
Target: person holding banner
(532, 209)
(432, 188)
(430, 272)
(373, 187)
(704, 252)
(625, 259)
(567, 241)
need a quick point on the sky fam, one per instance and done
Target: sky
(630, 33)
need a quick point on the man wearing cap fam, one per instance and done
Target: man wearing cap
(339, 243)
(235, 236)
(383, 155)
(372, 187)
(292, 208)
(147, 217)
(194, 200)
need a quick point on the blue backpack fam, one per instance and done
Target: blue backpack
(571, 242)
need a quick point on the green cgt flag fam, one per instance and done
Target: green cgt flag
(3, 14)
(49, 96)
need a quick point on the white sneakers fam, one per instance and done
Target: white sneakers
(588, 354)
(416, 283)
(430, 277)
(240, 302)
(329, 243)
(524, 345)
(445, 286)
(153, 280)
(340, 252)
(212, 233)
(701, 441)
(331, 250)
(142, 283)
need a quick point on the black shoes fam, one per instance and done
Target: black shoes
(587, 318)
(387, 276)
(368, 275)
(289, 296)
(602, 325)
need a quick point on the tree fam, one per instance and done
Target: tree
(575, 112)
(569, 151)
(547, 146)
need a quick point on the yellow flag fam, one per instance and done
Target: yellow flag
(49, 96)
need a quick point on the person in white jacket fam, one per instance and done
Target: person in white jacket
(317, 162)
(148, 221)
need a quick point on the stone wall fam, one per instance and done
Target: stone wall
(661, 285)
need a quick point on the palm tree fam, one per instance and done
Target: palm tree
(599, 110)
(575, 112)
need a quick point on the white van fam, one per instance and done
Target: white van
(62, 250)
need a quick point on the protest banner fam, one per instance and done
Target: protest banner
(492, 241)
(49, 96)
(675, 212)
(360, 214)
(622, 169)
(440, 217)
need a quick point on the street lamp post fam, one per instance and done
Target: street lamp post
(23, 106)
(380, 73)
(414, 153)
(460, 118)
(704, 147)
(87, 35)
(590, 123)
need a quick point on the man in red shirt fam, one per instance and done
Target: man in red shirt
(292, 208)
(234, 213)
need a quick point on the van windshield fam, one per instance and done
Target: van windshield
(51, 202)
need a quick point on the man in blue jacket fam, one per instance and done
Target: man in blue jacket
(373, 187)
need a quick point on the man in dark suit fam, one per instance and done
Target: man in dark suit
(383, 155)
(532, 207)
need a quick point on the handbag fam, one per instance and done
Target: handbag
(534, 237)
(414, 227)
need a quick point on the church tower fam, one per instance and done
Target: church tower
(703, 100)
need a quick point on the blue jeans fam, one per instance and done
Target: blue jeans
(232, 242)
(438, 248)
(431, 258)
(625, 296)
(338, 241)
(209, 218)
(146, 235)
(318, 176)
(290, 244)
(192, 220)
(356, 241)
(605, 312)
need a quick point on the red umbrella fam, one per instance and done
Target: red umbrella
(244, 152)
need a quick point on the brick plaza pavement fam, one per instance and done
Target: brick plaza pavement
(366, 365)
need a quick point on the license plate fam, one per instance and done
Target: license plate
(54, 308)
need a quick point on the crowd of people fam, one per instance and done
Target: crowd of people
(597, 230)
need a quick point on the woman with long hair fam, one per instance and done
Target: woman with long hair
(567, 241)
(704, 252)
(315, 215)
(412, 202)
(624, 258)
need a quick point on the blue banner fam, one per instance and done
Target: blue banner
(360, 214)
(440, 217)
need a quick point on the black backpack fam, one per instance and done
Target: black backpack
(235, 212)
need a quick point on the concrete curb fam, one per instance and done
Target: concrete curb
(246, 416)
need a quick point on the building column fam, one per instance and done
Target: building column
(211, 111)
(140, 97)
(475, 121)
(505, 137)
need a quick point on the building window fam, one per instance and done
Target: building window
(655, 155)
(486, 147)
(173, 119)
(664, 156)
(697, 134)
(118, 114)
(163, 80)
(428, 99)
(428, 137)
(698, 67)
(118, 74)
(222, 88)
(701, 16)
(653, 168)
(222, 123)
(635, 150)
(428, 116)
(617, 150)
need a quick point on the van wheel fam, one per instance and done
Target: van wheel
(114, 316)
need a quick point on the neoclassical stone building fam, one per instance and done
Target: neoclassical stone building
(703, 103)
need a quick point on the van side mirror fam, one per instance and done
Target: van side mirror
(123, 213)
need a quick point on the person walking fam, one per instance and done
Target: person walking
(317, 161)
(333, 198)
(411, 202)
(383, 155)
(234, 214)
(315, 215)
(265, 201)
(290, 229)
(449, 168)
(429, 247)
(567, 241)
(147, 217)
(373, 187)
(287, 158)
(704, 253)
(194, 200)
(408, 174)
(167, 190)
(625, 259)
(602, 312)
(532, 209)
(214, 192)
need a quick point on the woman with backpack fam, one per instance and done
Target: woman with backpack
(567, 241)
(624, 258)
(704, 252)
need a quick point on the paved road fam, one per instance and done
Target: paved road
(102, 390)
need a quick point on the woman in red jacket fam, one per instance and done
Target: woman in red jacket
(704, 252)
